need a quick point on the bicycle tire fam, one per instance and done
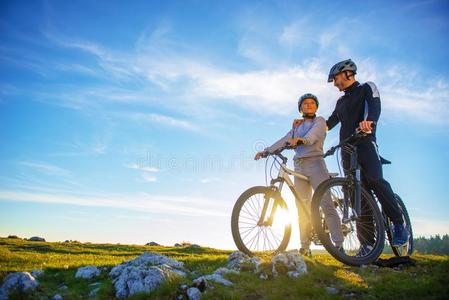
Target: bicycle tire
(324, 237)
(236, 213)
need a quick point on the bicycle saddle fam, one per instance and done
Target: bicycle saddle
(384, 161)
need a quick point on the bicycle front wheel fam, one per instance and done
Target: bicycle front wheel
(363, 235)
(251, 233)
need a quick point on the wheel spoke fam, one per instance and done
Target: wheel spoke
(254, 237)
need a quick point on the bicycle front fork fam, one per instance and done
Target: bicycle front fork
(356, 197)
(266, 203)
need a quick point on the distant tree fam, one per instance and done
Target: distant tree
(432, 245)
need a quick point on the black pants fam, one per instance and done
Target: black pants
(372, 178)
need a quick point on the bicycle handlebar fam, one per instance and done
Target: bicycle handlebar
(352, 138)
(279, 151)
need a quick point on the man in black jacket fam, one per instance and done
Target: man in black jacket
(360, 107)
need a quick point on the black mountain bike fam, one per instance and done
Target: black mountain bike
(362, 221)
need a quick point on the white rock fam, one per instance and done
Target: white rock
(236, 259)
(331, 290)
(21, 281)
(293, 274)
(173, 270)
(37, 273)
(57, 297)
(152, 244)
(88, 272)
(144, 273)
(292, 260)
(193, 293)
(93, 293)
(201, 284)
(214, 277)
(36, 239)
(221, 271)
(95, 284)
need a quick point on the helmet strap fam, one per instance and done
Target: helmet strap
(308, 116)
(348, 76)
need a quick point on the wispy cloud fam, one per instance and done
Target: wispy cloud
(148, 178)
(147, 173)
(96, 146)
(142, 168)
(160, 119)
(209, 179)
(174, 205)
(172, 68)
(45, 168)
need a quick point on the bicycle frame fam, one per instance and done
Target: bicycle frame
(283, 176)
(354, 176)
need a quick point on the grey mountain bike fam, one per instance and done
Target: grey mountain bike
(260, 218)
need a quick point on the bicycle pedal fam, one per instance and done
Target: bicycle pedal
(317, 241)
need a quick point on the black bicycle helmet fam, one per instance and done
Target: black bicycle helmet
(345, 65)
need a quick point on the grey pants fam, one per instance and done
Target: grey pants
(315, 168)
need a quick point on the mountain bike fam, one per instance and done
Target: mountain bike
(260, 218)
(363, 222)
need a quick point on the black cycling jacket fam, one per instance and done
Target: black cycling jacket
(360, 102)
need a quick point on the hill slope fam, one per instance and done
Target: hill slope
(429, 279)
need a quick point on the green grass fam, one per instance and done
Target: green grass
(429, 279)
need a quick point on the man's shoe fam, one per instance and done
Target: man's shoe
(400, 235)
(364, 250)
(305, 252)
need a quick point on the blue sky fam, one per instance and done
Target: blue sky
(137, 122)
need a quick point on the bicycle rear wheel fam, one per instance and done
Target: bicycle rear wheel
(409, 247)
(250, 235)
(364, 231)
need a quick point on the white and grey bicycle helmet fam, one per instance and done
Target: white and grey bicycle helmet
(345, 65)
(307, 96)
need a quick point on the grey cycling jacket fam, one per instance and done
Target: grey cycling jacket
(314, 133)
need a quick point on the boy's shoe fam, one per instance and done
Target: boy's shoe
(400, 235)
(305, 252)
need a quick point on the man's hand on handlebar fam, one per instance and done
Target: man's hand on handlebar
(366, 126)
(260, 154)
(297, 122)
(294, 142)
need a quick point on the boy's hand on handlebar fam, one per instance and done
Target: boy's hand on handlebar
(366, 126)
(260, 154)
(297, 122)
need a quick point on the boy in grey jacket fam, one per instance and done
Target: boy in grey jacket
(309, 161)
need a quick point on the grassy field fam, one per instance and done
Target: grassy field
(429, 279)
